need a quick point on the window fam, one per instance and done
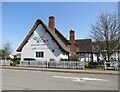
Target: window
(53, 50)
(63, 53)
(39, 54)
(82, 55)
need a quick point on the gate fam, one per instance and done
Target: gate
(115, 65)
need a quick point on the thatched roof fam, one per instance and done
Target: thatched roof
(66, 42)
(55, 37)
(84, 45)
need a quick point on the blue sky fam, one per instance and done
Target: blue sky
(18, 18)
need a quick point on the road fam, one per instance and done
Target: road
(39, 80)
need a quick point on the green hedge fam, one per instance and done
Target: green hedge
(94, 65)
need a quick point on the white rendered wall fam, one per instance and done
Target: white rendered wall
(45, 44)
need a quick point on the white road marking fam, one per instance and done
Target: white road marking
(94, 79)
(80, 79)
(64, 77)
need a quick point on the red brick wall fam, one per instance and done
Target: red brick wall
(51, 23)
(73, 47)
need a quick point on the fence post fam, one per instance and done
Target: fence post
(35, 63)
(20, 63)
(83, 64)
(47, 64)
(63, 64)
(9, 62)
(105, 65)
(75, 64)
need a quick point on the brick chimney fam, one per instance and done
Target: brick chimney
(51, 23)
(73, 47)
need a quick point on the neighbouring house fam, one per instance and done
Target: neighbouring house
(18, 55)
(85, 49)
(88, 51)
(46, 43)
(98, 56)
(11, 56)
(95, 52)
(116, 55)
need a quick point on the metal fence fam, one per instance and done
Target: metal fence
(59, 64)
(4, 62)
(115, 65)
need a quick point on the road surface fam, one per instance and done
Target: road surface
(39, 80)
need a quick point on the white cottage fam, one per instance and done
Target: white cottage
(44, 43)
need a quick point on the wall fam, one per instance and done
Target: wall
(42, 41)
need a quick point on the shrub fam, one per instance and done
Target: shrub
(95, 65)
(86, 65)
(74, 58)
(15, 61)
(52, 61)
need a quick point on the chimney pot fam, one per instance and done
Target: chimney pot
(72, 33)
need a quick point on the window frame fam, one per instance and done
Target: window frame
(39, 54)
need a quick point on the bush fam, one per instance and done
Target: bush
(95, 65)
(74, 58)
(15, 61)
(87, 65)
(52, 61)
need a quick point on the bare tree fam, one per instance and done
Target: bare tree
(106, 34)
(7, 47)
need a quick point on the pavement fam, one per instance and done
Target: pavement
(88, 71)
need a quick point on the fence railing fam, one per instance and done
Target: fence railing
(59, 64)
(4, 62)
(112, 65)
